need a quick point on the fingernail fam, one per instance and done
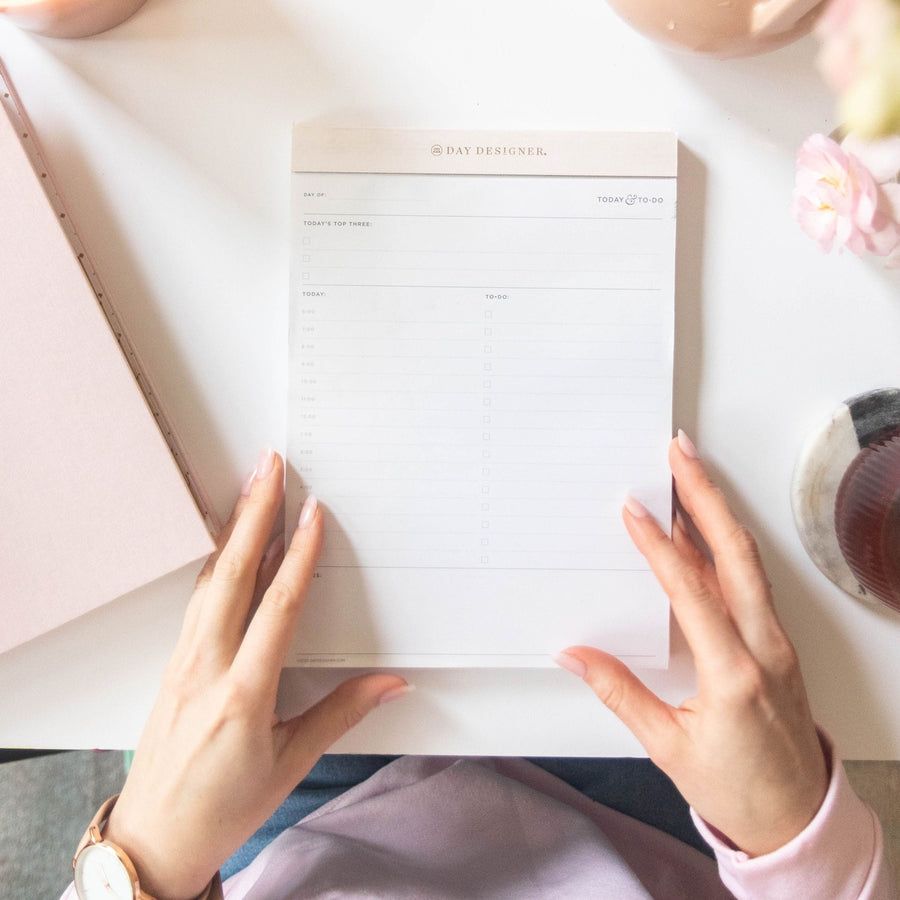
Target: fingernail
(687, 445)
(570, 663)
(308, 513)
(396, 693)
(636, 508)
(265, 463)
(248, 483)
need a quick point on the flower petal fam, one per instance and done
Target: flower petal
(881, 157)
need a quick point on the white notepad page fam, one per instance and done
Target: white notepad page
(481, 345)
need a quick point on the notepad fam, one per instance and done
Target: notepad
(93, 502)
(481, 346)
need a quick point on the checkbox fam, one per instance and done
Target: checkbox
(486, 402)
(485, 435)
(306, 241)
(488, 366)
(489, 314)
(487, 382)
(486, 420)
(306, 257)
(487, 331)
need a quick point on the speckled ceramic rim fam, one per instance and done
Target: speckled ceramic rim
(824, 459)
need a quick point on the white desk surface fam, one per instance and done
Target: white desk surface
(170, 137)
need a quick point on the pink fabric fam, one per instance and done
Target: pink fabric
(442, 828)
(435, 827)
(839, 855)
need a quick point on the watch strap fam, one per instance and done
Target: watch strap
(97, 823)
(93, 834)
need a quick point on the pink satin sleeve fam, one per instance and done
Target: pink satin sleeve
(839, 855)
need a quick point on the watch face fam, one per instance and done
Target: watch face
(101, 875)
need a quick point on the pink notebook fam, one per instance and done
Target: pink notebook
(93, 503)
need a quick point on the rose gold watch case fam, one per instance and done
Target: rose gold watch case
(96, 843)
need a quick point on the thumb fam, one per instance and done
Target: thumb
(310, 734)
(648, 718)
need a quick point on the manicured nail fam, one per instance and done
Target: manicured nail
(570, 663)
(308, 513)
(396, 693)
(687, 445)
(265, 463)
(263, 467)
(636, 508)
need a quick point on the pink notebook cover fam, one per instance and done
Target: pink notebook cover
(92, 502)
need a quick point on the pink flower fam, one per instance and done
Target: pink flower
(882, 159)
(838, 202)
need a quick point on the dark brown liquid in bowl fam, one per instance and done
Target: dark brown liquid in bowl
(867, 518)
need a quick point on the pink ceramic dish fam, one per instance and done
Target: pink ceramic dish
(721, 28)
(68, 18)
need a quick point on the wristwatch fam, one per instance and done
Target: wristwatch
(103, 870)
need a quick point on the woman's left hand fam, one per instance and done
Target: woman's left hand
(214, 761)
(744, 752)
